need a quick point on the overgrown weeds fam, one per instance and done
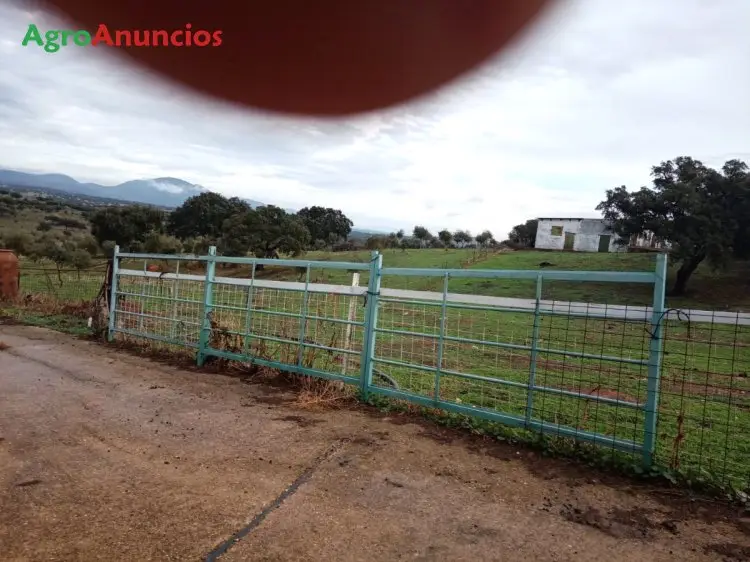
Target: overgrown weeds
(316, 394)
(311, 392)
(49, 304)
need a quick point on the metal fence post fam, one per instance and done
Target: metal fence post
(654, 361)
(534, 350)
(175, 285)
(371, 319)
(441, 335)
(303, 320)
(113, 294)
(205, 335)
(248, 314)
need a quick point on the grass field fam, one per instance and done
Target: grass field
(704, 414)
(724, 290)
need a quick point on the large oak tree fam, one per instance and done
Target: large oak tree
(204, 215)
(265, 232)
(699, 211)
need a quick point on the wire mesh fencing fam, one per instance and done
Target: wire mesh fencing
(242, 311)
(62, 285)
(55, 297)
(576, 371)
(666, 388)
(704, 414)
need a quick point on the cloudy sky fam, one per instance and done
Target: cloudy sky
(597, 94)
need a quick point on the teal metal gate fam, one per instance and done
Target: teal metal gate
(589, 372)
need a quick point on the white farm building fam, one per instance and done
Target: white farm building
(577, 234)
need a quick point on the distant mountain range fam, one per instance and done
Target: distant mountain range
(160, 192)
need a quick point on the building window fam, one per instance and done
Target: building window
(557, 230)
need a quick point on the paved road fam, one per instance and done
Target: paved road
(110, 457)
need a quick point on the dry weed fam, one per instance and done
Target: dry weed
(49, 304)
(317, 394)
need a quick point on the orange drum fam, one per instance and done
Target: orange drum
(10, 275)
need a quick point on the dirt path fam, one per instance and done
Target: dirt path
(105, 456)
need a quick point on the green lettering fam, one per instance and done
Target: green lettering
(65, 34)
(32, 34)
(82, 38)
(51, 46)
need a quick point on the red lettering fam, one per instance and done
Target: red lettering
(142, 38)
(102, 35)
(217, 39)
(188, 34)
(174, 38)
(159, 34)
(122, 35)
(201, 38)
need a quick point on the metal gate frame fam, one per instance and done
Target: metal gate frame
(374, 295)
(657, 278)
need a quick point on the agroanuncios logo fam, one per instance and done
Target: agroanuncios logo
(53, 39)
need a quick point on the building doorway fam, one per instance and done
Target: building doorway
(604, 240)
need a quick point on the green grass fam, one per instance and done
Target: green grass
(704, 414)
(65, 285)
(60, 322)
(723, 290)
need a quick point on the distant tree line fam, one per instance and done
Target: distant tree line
(421, 238)
(230, 224)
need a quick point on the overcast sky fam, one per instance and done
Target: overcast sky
(599, 93)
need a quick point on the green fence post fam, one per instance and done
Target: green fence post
(175, 298)
(303, 320)
(441, 335)
(534, 350)
(371, 319)
(141, 317)
(248, 314)
(205, 335)
(655, 352)
(113, 294)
